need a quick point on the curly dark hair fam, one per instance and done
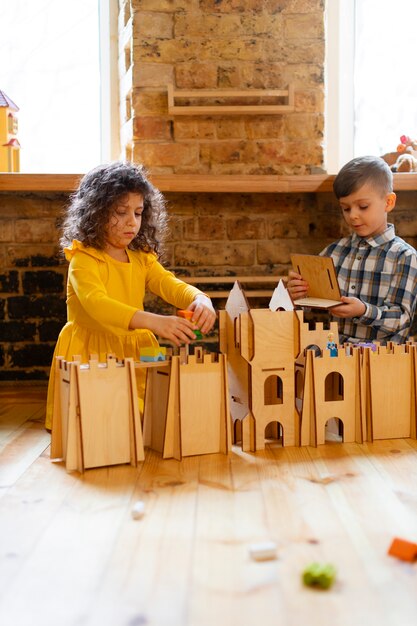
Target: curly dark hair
(97, 196)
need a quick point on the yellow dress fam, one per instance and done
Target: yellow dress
(102, 296)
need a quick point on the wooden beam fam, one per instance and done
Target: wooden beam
(200, 183)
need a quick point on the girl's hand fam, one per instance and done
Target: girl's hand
(204, 313)
(351, 307)
(296, 285)
(176, 329)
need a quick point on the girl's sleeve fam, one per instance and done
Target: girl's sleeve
(167, 286)
(84, 277)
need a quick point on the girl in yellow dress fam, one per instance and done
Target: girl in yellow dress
(112, 236)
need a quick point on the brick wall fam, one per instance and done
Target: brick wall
(217, 44)
(211, 234)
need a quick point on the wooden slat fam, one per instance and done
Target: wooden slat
(201, 183)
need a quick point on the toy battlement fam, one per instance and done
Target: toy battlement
(319, 327)
(392, 349)
(342, 353)
(203, 359)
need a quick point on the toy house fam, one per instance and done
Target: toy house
(9, 144)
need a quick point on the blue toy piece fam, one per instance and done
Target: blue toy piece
(152, 359)
(151, 354)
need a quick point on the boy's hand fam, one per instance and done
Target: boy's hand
(296, 285)
(351, 307)
(204, 313)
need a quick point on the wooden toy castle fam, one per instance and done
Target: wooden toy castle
(274, 378)
(9, 144)
(286, 380)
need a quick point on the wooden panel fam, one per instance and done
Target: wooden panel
(319, 272)
(201, 405)
(274, 337)
(391, 397)
(104, 410)
(155, 411)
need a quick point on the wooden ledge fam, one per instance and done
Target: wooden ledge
(199, 183)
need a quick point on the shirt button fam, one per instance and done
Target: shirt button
(353, 287)
(359, 258)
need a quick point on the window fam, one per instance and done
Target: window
(385, 87)
(53, 70)
(371, 95)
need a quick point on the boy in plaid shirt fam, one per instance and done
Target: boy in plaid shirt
(376, 270)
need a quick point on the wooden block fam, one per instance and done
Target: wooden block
(402, 549)
(138, 510)
(263, 551)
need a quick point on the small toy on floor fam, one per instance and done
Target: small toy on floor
(138, 510)
(403, 549)
(263, 551)
(319, 575)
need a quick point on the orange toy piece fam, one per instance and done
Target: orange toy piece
(404, 550)
(188, 315)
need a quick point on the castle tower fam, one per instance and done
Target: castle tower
(331, 390)
(238, 368)
(9, 144)
(269, 343)
(390, 384)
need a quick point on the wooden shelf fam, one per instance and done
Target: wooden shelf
(220, 96)
(199, 183)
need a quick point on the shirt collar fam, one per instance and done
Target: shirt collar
(378, 240)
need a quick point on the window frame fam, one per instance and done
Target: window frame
(109, 80)
(339, 83)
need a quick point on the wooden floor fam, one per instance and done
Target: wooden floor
(71, 554)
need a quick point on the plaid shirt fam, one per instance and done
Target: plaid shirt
(382, 272)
